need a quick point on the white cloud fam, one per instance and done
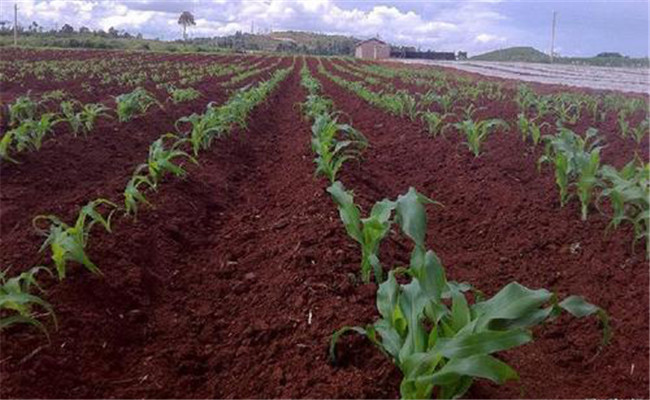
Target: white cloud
(487, 38)
(462, 25)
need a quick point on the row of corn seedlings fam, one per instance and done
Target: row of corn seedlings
(429, 327)
(568, 108)
(578, 172)
(403, 104)
(133, 73)
(19, 302)
(332, 142)
(576, 159)
(28, 128)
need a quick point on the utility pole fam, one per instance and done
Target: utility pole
(15, 25)
(553, 37)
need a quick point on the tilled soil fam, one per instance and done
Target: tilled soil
(231, 286)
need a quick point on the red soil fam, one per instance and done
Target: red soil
(209, 293)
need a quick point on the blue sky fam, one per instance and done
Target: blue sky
(584, 27)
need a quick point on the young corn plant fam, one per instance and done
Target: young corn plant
(568, 112)
(642, 130)
(623, 123)
(18, 303)
(161, 159)
(179, 95)
(68, 243)
(26, 136)
(528, 127)
(408, 105)
(435, 122)
(89, 114)
(24, 108)
(133, 193)
(575, 159)
(525, 98)
(370, 231)
(316, 105)
(70, 116)
(204, 128)
(470, 110)
(446, 101)
(439, 339)
(334, 144)
(134, 103)
(477, 132)
(628, 191)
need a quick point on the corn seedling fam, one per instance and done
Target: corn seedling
(133, 194)
(437, 337)
(542, 106)
(203, 129)
(68, 243)
(446, 101)
(161, 159)
(435, 122)
(575, 159)
(181, 95)
(470, 110)
(334, 144)
(89, 114)
(26, 136)
(641, 130)
(71, 116)
(23, 109)
(17, 302)
(54, 95)
(316, 105)
(628, 191)
(568, 113)
(477, 132)
(529, 127)
(525, 98)
(135, 103)
(623, 123)
(370, 231)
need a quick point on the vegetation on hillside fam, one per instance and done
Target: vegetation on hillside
(530, 54)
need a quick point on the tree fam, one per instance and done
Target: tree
(84, 29)
(67, 29)
(186, 19)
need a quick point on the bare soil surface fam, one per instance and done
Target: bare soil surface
(232, 285)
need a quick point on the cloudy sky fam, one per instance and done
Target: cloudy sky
(584, 27)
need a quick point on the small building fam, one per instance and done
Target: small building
(372, 49)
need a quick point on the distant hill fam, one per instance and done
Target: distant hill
(524, 54)
(529, 54)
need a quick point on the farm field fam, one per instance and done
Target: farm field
(633, 80)
(227, 267)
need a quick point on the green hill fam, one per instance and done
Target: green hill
(529, 54)
(525, 54)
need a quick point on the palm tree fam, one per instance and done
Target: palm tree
(186, 19)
